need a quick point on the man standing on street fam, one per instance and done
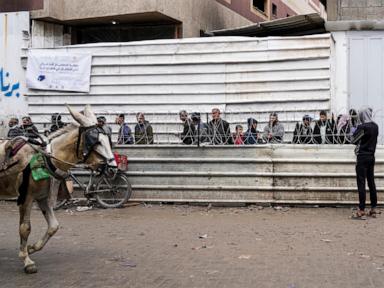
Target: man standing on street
(365, 137)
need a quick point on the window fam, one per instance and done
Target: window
(274, 10)
(259, 4)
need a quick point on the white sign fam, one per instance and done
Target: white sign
(14, 35)
(50, 70)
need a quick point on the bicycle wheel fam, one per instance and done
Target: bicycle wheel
(112, 192)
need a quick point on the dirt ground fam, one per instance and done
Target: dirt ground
(183, 246)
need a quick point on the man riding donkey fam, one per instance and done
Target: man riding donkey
(29, 169)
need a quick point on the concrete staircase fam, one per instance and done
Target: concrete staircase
(289, 174)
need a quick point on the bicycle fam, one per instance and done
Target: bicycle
(109, 186)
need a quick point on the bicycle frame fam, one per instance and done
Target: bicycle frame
(86, 188)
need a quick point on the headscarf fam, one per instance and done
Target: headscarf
(250, 122)
(344, 120)
(365, 115)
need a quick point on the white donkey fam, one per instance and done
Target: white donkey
(73, 144)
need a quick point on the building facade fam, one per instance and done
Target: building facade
(59, 22)
(357, 29)
(265, 10)
(345, 10)
(90, 21)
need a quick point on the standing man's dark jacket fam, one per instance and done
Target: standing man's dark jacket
(365, 136)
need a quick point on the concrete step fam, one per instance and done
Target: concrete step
(296, 174)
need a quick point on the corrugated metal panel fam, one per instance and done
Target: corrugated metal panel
(290, 26)
(262, 174)
(242, 76)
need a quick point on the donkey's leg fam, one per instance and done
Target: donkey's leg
(25, 230)
(53, 225)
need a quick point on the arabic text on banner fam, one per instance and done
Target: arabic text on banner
(51, 70)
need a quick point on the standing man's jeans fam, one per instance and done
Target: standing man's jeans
(365, 170)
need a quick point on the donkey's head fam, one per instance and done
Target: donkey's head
(93, 143)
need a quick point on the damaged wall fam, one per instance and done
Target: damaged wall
(14, 41)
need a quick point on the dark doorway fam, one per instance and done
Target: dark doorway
(123, 33)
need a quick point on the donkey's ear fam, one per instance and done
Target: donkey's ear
(80, 118)
(89, 114)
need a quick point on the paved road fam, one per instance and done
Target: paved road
(159, 246)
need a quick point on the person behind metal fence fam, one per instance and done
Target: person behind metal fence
(14, 129)
(252, 135)
(354, 120)
(28, 128)
(143, 130)
(102, 123)
(219, 129)
(238, 136)
(324, 130)
(201, 129)
(274, 130)
(365, 139)
(189, 130)
(56, 123)
(303, 131)
(343, 129)
(125, 133)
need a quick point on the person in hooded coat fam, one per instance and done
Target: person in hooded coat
(252, 135)
(365, 139)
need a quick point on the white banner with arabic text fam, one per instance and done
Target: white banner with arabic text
(51, 70)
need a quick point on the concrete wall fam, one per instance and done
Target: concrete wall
(14, 39)
(48, 35)
(244, 77)
(355, 10)
(284, 7)
(311, 174)
(195, 15)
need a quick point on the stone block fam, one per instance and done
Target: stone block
(374, 3)
(345, 3)
(357, 3)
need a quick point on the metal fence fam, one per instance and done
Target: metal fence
(167, 128)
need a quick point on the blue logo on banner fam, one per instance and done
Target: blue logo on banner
(5, 88)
